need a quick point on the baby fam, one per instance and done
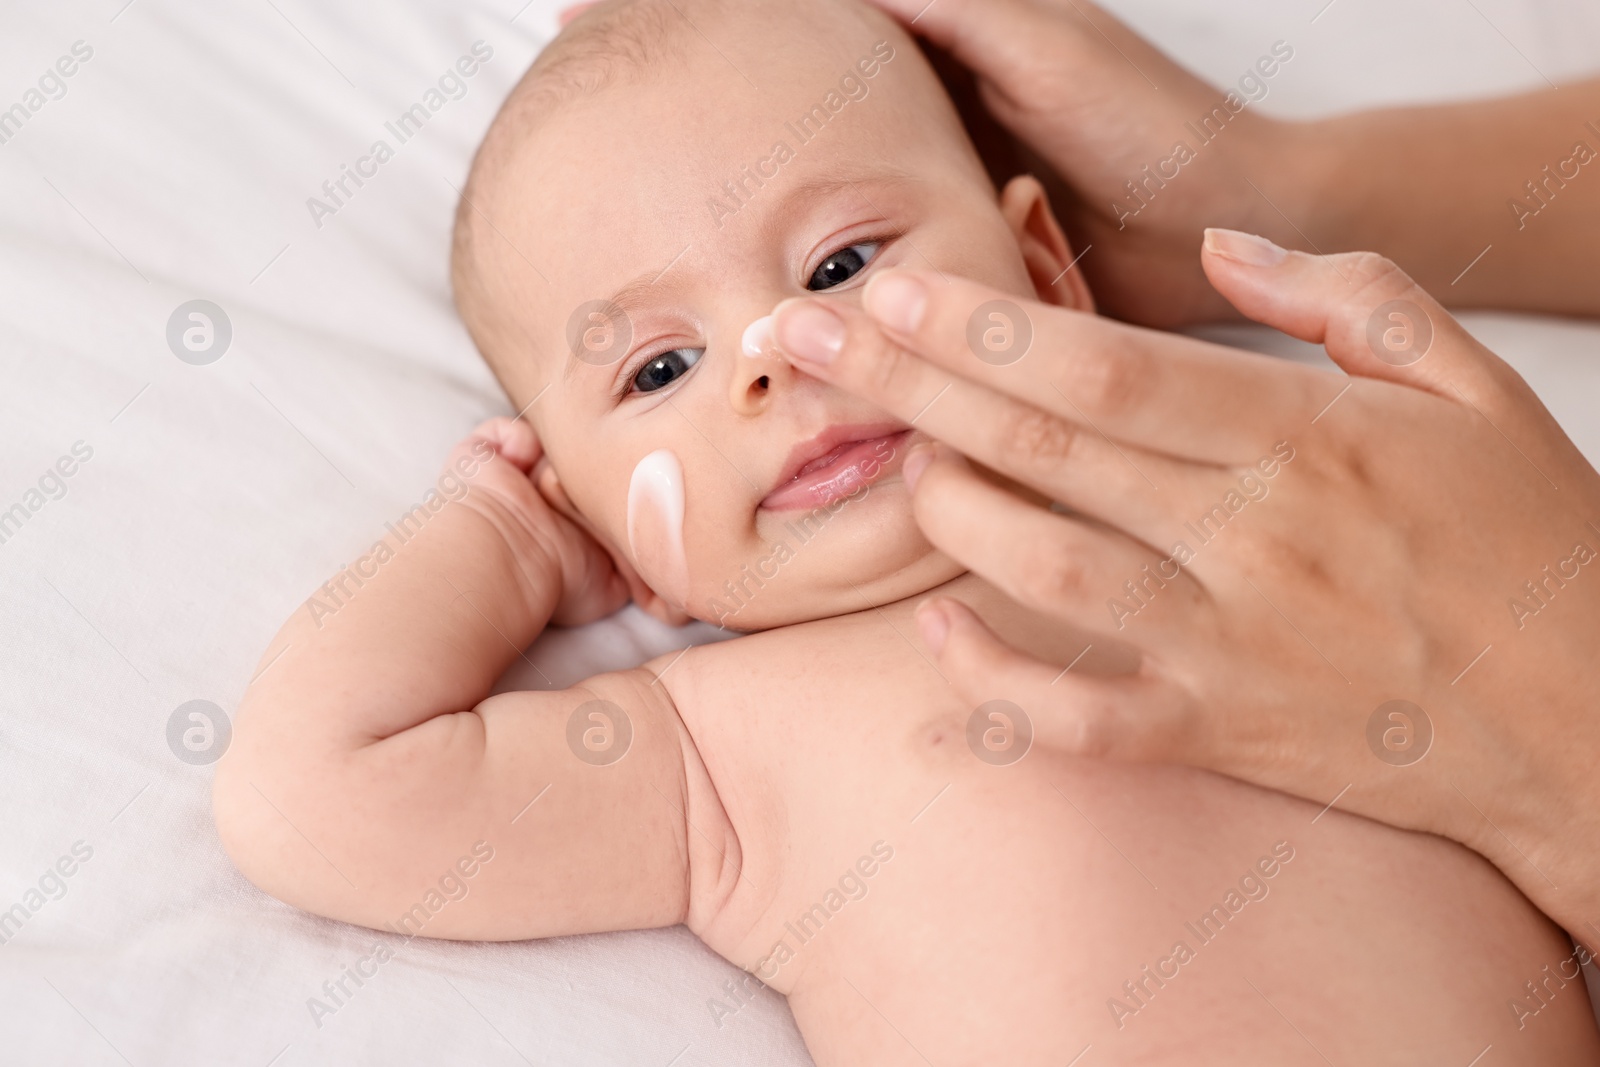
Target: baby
(810, 798)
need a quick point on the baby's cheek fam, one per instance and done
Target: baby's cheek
(656, 503)
(723, 550)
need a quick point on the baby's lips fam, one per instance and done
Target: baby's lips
(572, 12)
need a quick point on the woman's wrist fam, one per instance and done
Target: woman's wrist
(1550, 848)
(1514, 775)
(1365, 181)
(1317, 180)
(1480, 219)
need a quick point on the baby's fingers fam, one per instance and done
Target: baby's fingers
(1134, 717)
(512, 439)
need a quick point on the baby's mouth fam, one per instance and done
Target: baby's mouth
(836, 463)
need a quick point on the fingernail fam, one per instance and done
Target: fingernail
(934, 626)
(809, 331)
(896, 300)
(757, 337)
(1244, 248)
(915, 464)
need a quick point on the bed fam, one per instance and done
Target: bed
(225, 363)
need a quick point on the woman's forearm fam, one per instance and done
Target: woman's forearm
(1488, 203)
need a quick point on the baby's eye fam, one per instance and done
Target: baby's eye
(842, 265)
(666, 368)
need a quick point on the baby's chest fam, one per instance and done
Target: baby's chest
(823, 788)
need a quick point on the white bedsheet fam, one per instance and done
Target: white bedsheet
(176, 166)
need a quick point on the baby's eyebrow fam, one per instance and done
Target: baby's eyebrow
(627, 301)
(807, 191)
(634, 295)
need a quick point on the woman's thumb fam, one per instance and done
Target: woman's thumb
(1373, 319)
(1068, 711)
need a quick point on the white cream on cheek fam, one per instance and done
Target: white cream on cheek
(655, 525)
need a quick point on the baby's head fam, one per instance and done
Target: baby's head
(667, 172)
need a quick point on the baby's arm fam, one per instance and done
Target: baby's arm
(368, 759)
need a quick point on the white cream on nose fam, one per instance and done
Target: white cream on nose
(655, 525)
(757, 337)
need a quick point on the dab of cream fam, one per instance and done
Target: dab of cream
(655, 525)
(757, 337)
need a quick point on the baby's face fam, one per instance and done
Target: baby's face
(643, 228)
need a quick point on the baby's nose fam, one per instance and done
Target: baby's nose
(754, 369)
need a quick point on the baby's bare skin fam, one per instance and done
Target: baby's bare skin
(1019, 898)
(997, 910)
(971, 913)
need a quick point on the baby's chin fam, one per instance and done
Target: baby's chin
(770, 591)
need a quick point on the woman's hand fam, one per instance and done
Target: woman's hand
(1099, 104)
(1292, 551)
(1506, 220)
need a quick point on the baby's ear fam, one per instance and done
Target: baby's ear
(548, 482)
(1045, 250)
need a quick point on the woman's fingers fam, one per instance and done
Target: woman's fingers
(1374, 320)
(1055, 564)
(1065, 460)
(1133, 717)
(993, 37)
(1048, 64)
(1187, 398)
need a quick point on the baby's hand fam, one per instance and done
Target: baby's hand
(547, 545)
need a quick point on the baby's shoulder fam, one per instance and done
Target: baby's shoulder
(838, 663)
